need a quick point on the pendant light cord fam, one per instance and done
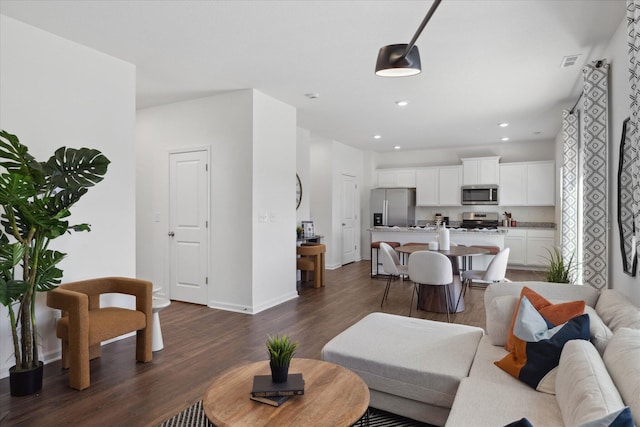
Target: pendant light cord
(426, 19)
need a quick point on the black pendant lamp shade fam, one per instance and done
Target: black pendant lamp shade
(392, 63)
(401, 60)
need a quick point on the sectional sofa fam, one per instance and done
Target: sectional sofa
(444, 374)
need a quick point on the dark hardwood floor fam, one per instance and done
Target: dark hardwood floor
(200, 343)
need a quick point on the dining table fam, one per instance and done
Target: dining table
(430, 297)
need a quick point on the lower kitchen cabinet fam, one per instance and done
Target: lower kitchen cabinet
(529, 247)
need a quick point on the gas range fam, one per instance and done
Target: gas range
(479, 220)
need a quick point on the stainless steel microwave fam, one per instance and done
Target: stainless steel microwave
(479, 194)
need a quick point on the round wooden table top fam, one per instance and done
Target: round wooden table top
(333, 396)
(454, 251)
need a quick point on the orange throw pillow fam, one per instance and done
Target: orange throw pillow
(554, 313)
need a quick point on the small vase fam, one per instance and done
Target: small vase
(279, 373)
(24, 383)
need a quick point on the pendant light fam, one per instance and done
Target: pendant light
(401, 60)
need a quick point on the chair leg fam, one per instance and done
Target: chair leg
(413, 292)
(463, 291)
(446, 301)
(385, 295)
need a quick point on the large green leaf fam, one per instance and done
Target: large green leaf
(11, 291)
(15, 158)
(48, 276)
(71, 168)
(15, 188)
(10, 255)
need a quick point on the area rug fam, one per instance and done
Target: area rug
(194, 416)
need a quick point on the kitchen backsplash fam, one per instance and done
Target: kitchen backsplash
(526, 216)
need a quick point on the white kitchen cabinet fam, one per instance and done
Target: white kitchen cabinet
(449, 178)
(427, 182)
(516, 241)
(396, 178)
(541, 180)
(480, 170)
(527, 184)
(438, 186)
(529, 247)
(539, 243)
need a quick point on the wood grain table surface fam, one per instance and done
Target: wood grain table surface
(333, 396)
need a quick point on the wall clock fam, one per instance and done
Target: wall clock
(298, 191)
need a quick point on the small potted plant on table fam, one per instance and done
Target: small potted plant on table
(281, 350)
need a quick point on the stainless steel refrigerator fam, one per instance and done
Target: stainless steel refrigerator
(393, 206)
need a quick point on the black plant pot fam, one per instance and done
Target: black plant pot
(279, 374)
(23, 383)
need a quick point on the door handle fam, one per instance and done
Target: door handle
(343, 224)
(171, 234)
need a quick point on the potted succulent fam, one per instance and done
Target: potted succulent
(35, 198)
(560, 270)
(281, 350)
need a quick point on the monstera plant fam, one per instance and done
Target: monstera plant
(35, 198)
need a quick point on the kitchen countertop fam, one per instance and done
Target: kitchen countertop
(429, 229)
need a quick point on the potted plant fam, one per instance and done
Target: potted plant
(560, 270)
(281, 350)
(35, 198)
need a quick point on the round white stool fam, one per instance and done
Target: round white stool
(158, 304)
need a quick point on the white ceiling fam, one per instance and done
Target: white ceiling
(483, 61)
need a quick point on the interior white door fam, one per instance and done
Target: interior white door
(349, 218)
(188, 224)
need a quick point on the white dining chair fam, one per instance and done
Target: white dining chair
(391, 266)
(431, 268)
(495, 272)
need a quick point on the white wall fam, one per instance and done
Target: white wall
(329, 161)
(616, 54)
(303, 169)
(55, 93)
(508, 152)
(250, 158)
(274, 169)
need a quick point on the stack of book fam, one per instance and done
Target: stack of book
(275, 394)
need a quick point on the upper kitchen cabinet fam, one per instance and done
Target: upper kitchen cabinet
(438, 186)
(396, 178)
(527, 184)
(480, 170)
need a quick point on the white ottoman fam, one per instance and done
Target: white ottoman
(158, 304)
(412, 366)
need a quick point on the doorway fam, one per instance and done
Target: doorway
(349, 218)
(189, 225)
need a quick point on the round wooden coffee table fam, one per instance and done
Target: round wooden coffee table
(333, 396)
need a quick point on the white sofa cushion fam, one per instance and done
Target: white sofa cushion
(413, 358)
(622, 359)
(584, 390)
(491, 397)
(600, 332)
(499, 314)
(616, 310)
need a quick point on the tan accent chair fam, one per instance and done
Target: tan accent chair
(84, 324)
(311, 259)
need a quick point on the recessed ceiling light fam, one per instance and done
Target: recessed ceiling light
(397, 147)
(312, 95)
(402, 103)
(377, 136)
(504, 139)
(503, 124)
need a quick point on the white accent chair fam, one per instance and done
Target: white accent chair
(431, 268)
(495, 272)
(391, 266)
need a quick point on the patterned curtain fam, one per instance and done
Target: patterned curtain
(595, 136)
(633, 41)
(571, 143)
